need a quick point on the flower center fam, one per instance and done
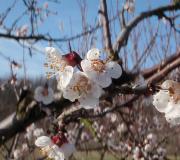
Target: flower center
(45, 150)
(55, 64)
(98, 65)
(82, 86)
(173, 94)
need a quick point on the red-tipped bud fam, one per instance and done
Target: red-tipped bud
(59, 139)
(73, 59)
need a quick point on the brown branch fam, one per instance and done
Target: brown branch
(105, 25)
(11, 126)
(150, 71)
(162, 73)
(123, 36)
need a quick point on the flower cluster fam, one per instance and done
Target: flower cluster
(167, 101)
(57, 147)
(86, 84)
(149, 150)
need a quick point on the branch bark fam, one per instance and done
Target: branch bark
(105, 25)
(11, 126)
(123, 36)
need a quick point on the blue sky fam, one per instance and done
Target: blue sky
(69, 15)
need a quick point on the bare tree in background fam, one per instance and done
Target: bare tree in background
(148, 52)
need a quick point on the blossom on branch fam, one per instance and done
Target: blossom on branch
(44, 94)
(167, 101)
(52, 150)
(85, 90)
(100, 71)
(61, 66)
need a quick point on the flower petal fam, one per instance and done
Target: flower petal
(160, 101)
(65, 77)
(38, 93)
(53, 52)
(43, 141)
(103, 79)
(93, 54)
(56, 153)
(69, 92)
(114, 69)
(96, 90)
(86, 65)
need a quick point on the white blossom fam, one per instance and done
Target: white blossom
(44, 95)
(167, 101)
(53, 151)
(43, 141)
(58, 67)
(100, 71)
(82, 88)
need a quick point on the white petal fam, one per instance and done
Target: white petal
(175, 109)
(93, 54)
(173, 84)
(103, 79)
(65, 77)
(43, 141)
(38, 94)
(68, 92)
(160, 101)
(167, 84)
(96, 90)
(173, 121)
(114, 69)
(86, 65)
(47, 100)
(52, 51)
(56, 153)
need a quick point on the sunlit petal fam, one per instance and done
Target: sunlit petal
(43, 141)
(114, 69)
(93, 54)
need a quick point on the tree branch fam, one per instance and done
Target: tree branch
(105, 25)
(11, 126)
(123, 36)
(150, 71)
